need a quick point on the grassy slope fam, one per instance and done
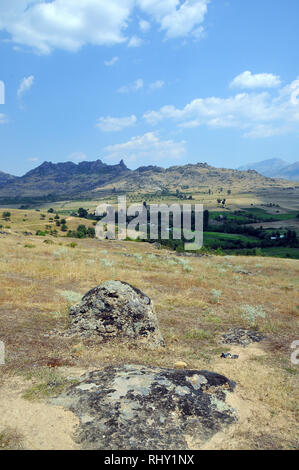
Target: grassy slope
(39, 283)
(31, 221)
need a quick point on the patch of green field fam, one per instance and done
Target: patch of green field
(211, 237)
(281, 252)
(250, 215)
(230, 216)
(266, 217)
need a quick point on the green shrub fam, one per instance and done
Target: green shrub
(46, 383)
(251, 313)
(199, 334)
(73, 245)
(40, 233)
(216, 294)
(71, 296)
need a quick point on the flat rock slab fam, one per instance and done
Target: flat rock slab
(143, 408)
(242, 337)
(116, 309)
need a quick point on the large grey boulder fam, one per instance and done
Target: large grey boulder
(116, 310)
(136, 407)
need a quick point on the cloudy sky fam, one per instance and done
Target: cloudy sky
(163, 82)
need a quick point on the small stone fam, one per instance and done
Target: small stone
(229, 356)
(180, 365)
(225, 355)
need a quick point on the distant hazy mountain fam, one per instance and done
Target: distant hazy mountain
(275, 168)
(290, 172)
(6, 178)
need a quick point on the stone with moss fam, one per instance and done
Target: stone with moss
(116, 309)
(135, 407)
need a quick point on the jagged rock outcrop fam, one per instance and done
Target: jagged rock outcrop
(136, 407)
(116, 310)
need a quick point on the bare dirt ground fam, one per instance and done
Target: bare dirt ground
(39, 425)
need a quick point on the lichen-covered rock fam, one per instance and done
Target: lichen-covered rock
(114, 310)
(135, 407)
(242, 337)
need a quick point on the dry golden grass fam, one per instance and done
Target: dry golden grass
(37, 286)
(31, 221)
(10, 439)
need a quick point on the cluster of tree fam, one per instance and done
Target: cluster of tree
(6, 215)
(82, 232)
(266, 238)
(47, 231)
(221, 201)
(183, 196)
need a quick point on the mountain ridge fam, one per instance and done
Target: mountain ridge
(6, 178)
(71, 180)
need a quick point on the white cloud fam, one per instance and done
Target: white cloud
(259, 80)
(77, 157)
(33, 160)
(71, 24)
(110, 63)
(3, 119)
(65, 24)
(135, 86)
(113, 124)
(177, 19)
(135, 41)
(293, 91)
(157, 85)
(144, 26)
(262, 131)
(25, 85)
(147, 147)
(257, 114)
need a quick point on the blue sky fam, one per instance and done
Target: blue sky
(163, 82)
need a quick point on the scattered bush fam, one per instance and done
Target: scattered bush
(73, 245)
(48, 242)
(6, 215)
(107, 263)
(71, 296)
(10, 439)
(199, 334)
(47, 383)
(62, 251)
(82, 232)
(216, 294)
(251, 313)
(40, 233)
